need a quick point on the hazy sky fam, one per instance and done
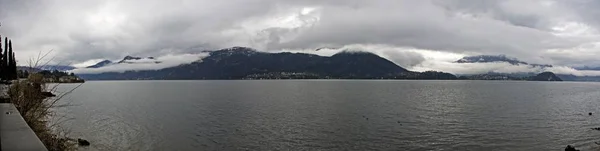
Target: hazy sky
(417, 34)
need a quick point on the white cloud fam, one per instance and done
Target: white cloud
(410, 58)
(416, 34)
(87, 63)
(145, 64)
(569, 70)
(496, 67)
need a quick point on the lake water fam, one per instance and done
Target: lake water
(333, 115)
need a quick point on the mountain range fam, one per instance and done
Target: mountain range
(247, 63)
(588, 68)
(100, 64)
(126, 60)
(514, 61)
(544, 76)
(497, 58)
(56, 67)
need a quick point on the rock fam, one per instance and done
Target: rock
(83, 142)
(48, 94)
(570, 148)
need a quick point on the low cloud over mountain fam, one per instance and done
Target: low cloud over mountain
(412, 33)
(411, 59)
(144, 64)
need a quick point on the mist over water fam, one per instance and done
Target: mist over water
(333, 115)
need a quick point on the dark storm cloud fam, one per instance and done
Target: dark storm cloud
(78, 31)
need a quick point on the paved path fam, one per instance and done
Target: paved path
(15, 134)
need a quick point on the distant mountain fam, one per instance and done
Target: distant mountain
(497, 58)
(570, 77)
(247, 63)
(517, 75)
(56, 67)
(130, 59)
(514, 61)
(588, 68)
(46, 67)
(545, 76)
(491, 76)
(127, 60)
(100, 64)
(28, 69)
(489, 58)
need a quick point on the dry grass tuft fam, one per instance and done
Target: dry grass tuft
(30, 97)
(35, 107)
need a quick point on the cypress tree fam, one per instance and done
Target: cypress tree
(2, 71)
(9, 63)
(5, 60)
(14, 66)
(12, 63)
(6, 50)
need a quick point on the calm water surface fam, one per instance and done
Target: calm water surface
(333, 115)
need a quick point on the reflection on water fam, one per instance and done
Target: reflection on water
(334, 115)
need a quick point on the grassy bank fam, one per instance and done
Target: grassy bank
(33, 100)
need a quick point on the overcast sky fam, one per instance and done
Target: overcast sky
(416, 34)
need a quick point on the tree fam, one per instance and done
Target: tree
(12, 62)
(8, 62)
(45, 73)
(9, 67)
(1, 62)
(5, 57)
(5, 71)
(14, 65)
(4, 60)
(25, 73)
(20, 74)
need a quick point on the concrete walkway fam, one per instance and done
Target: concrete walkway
(15, 134)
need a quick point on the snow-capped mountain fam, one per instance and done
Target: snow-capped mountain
(100, 64)
(130, 59)
(126, 60)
